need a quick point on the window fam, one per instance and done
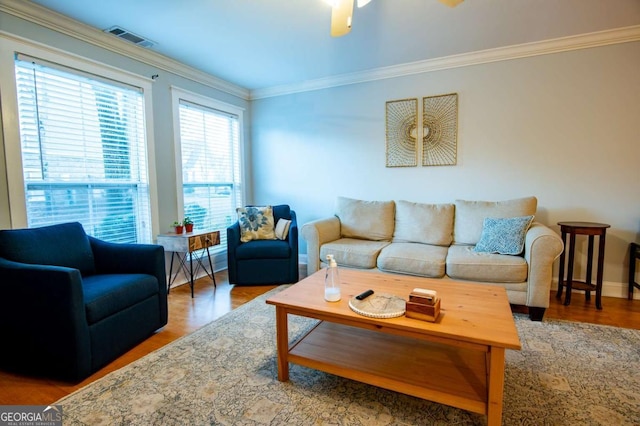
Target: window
(210, 164)
(84, 154)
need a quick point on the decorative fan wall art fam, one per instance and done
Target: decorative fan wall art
(401, 128)
(440, 130)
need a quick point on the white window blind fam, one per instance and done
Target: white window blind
(210, 151)
(83, 152)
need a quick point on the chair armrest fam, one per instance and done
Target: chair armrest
(115, 258)
(42, 312)
(233, 236)
(293, 237)
(542, 247)
(317, 233)
(233, 241)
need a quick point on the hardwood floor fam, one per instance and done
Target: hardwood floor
(187, 314)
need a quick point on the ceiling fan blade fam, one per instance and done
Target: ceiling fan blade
(341, 15)
(451, 3)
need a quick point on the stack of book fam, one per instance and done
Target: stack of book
(423, 304)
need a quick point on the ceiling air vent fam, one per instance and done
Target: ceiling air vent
(129, 36)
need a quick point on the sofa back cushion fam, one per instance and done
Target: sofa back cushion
(423, 223)
(281, 211)
(470, 215)
(365, 220)
(64, 244)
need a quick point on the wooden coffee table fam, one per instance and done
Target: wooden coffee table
(458, 360)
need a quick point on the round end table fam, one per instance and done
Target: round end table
(582, 228)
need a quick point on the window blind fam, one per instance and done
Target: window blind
(210, 151)
(84, 156)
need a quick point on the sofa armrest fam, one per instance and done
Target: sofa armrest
(317, 233)
(42, 312)
(542, 248)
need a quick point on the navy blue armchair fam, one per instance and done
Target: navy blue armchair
(71, 303)
(264, 261)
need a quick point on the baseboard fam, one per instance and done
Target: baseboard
(609, 289)
(219, 260)
(621, 290)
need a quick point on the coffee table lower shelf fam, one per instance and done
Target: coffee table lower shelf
(447, 374)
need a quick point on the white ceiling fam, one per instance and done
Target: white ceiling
(258, 44)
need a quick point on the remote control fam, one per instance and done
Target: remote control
(364, 295)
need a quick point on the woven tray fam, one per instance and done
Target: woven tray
(379, 305)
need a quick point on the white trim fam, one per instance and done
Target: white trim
(177, 94)
(563, 44)
(9, 46)
(613, 289)
(201, 99)
(180, 278)
(63, 24)
(609, 289)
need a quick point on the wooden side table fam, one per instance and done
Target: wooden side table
(582, 228)
(187, 245)
(634, 255)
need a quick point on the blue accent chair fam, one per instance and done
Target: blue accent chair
(70, 303)
(262, 262)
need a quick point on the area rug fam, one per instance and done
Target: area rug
(226, 374)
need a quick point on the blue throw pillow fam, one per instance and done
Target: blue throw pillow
(503, 235)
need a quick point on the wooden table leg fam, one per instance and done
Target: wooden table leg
(587, 293)
(561, 267)
(569, 282)
(495, 386)
(600, 270)
(282, 343)
(634, 249)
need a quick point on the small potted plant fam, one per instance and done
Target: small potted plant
(188, 224)
(178, 227)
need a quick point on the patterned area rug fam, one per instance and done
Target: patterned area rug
(225, 374)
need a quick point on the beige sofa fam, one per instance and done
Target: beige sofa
(442, 241)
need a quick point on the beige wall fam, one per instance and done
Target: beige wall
(564, 127)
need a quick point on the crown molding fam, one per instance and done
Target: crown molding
(546, 47)
(63, 24)
(60, 23)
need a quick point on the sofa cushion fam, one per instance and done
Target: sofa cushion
(353, 252)
(105, 295)
(64, 244)
(367, 220)
(423, 223)
(464, 263)
(256, 223)
(504, 236)
(414, 259)
(470, 216)
(264, 249)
